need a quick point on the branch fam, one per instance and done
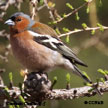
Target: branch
(76, 92)
(4, 5)
(50, 10)
(38, 87)
(73, 12)
(60, 93)
(33, 10)
(81, 30)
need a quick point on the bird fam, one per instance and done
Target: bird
(38, 47)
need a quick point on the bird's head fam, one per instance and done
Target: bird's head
(19, 22)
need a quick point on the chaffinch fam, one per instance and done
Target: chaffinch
(38, 47)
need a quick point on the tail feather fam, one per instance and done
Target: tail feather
(79, 73)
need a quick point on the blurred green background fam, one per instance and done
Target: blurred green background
(95, 56)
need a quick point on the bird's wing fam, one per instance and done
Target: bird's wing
(49, 39)
(44, 29)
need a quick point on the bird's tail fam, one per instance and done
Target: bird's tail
(79, 73)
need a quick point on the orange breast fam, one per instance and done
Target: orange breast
(32, 55)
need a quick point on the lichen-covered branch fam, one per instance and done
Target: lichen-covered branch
(60, 93)
(76, 92)
(38, 87)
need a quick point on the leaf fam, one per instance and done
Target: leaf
(87, 10)
(100, 3)
(55, 78)
(84, 25)
(6, 92)
(41, 2)
(101, 71)
(93, 32)
(64, 15)
(53, 22)
(67, 38)
(86, 75)
(75, 29)
(101, 27)
(106, 71)
(102, 80)
(88, 84)
(11, 106)
(69, 5)
(77, 16)
(65, 29)
(51, 4)
(10, 76)
(57, 31)
(22, 99)
(86, 0)
(68, 78)
(6, 88)
(90, 90)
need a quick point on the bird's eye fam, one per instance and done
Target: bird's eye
(19, 19)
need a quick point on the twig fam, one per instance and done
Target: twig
(4, 5)
(4, 34)
(7, 50)
(41, 7)
(80, 30)
(73, 12)
(34, 6)
(50, 10)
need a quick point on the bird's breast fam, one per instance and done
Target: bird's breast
(33, 55)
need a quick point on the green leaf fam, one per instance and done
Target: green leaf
(88, 84)
(54, 82)
(67, 38)
(77, 16)
(86, 75)
(100, 3)
(86, 0)
(101, 71)
(10, 77)
(11, 106)
(6, 91)
(53, 22)
(75, 29)
(41, 2)
(87, 10)
(102, 80)
(49, 23)
(106, 71)
(55, 78)
(64, 15)
(68, 78)
(84, 25)
(91, 90)
(101, 27)
(6, 88)
(93, 32)
(65, 29)
(22, 99)
(51, 4)
(69, 5)
(57, 31)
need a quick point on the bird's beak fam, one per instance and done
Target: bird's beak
(9, 22)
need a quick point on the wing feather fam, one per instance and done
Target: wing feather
(53, 42)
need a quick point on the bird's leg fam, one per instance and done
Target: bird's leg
(24, 73)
